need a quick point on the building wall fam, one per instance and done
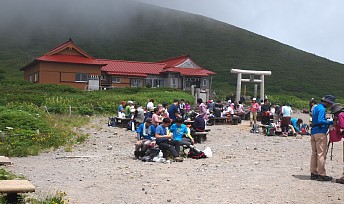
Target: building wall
(61, 73)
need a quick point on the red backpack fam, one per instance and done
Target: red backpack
(335, 133)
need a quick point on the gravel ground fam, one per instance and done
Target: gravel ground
(245, 168)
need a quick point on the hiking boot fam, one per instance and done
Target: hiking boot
(178, 159)
(136, 154)
(341, 180)
(314, 176)
(324, 178)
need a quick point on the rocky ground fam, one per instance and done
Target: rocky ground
(245, 168)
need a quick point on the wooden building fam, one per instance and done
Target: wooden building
(69, 65)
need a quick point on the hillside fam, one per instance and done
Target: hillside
(135, 31)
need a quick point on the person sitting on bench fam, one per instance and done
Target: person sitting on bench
(145, 137)
(179, 130)
(165, 141)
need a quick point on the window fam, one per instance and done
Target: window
(104, 78)
(30, 78)
(174, 83)
(116, 80)
(81, 77)
(204, 82)
(136, 82)
(154, 82)
(36, 77)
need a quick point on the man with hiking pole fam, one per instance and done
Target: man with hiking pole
(319, 130)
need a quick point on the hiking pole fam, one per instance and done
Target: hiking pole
(331, 151)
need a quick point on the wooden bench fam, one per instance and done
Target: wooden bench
(200, 137)
(123, 122)
(13, 187)
(5, 161)
(220, 120)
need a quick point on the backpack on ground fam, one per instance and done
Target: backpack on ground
(112, 122)
(255, 128)
(270, 130)
(196, 154)
(150, 154)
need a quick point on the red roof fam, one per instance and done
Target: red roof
(190, 71)
(172, 62)
(70, 59)
(131, 68)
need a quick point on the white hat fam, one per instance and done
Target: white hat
(130, 102)
(254, 99)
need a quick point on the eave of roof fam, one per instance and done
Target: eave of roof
(70, 59)
(190, 71)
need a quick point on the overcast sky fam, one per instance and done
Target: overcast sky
(315, 26)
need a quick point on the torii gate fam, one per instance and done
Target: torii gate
(252, 73)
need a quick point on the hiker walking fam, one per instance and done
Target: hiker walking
(319, 130)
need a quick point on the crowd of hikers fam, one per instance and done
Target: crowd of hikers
(165, 129)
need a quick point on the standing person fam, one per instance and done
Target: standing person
(254, 110)
(338, 112)
(173, 111)
(182, 108)
(165, 140)
(187, 107)
(319, 139)
(121, 109)
(265, 109)
(311, 104)
(202, 108)
(286, 117)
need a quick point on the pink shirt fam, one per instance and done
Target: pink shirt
(254, 107)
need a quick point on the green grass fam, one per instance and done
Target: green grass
(35, 118)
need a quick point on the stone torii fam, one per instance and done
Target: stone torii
(252, 73)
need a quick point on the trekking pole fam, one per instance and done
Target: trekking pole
(331, 151)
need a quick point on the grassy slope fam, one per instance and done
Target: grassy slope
(152, 34)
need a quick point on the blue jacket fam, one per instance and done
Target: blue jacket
(319, 122)
(148, 135)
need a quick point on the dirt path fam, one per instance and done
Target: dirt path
(245, 168)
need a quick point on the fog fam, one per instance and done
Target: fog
(313, 26)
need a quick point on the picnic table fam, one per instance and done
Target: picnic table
(200, 137)
(219, 120)
(123, 122)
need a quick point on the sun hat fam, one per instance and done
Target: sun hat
(130, 102)
(336, 108)
(329, 99)
(254, 99)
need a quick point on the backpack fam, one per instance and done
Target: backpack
(305, 129)
(255, 128)
(217, 112)
(335, 134)
(196, 154)
(150, 154)
(112, 122)
(271, 130)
